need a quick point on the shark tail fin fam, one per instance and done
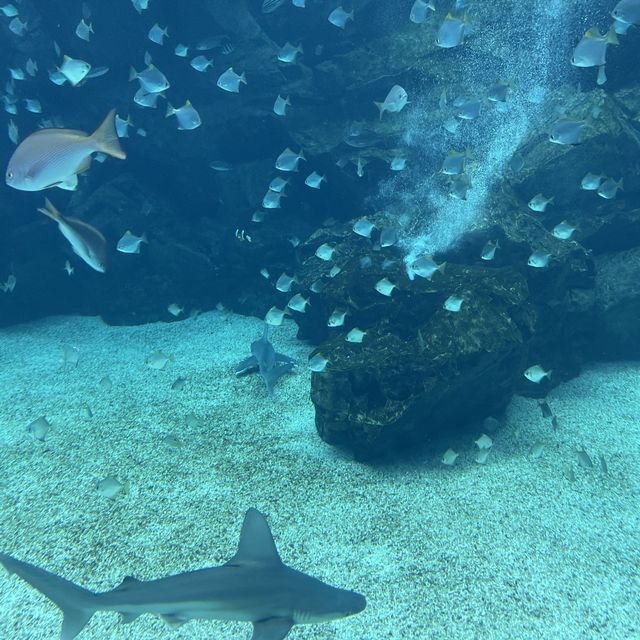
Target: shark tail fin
(77, 604)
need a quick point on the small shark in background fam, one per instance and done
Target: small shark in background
(254, 586)
(270, 365)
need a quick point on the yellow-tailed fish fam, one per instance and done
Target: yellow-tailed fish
(53, 157)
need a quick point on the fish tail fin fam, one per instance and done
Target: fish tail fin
(620, 184)
(611, 36)
(170, 110)
(243, 78)
(77, 604)
(133, 74)
(380, 106)
(442, 267)
(106, 137)
(50, 210)
(143, 238)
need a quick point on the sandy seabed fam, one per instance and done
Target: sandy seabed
(509, 549)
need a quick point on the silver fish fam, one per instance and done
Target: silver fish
(318, 363)
(110, 487)
(288, 160)
(454, 163)
(230, 81)
(186, 115)
(50, 157)
(627, 12)
(151, 79)
(536, 373)
(74, 70)
(489, 250)
(452, 31)
(339, 17)
(539, 203)
(18, 27)
(157, 34)
(591, 51)
(280, 105)
(395, 101)
(288, 53)
(285, 282)
(453, 303)
(388, 237)
(583, 458)
(314, 180)
(539, 259)
(567, 131)
(84, 30)
(363, 227)
(425, 267)
(201, 63)
(159, 360)
(39, 428)
(449, 458)
(298, 303)
(130, 243)
(419, 11)
(564, 230)
(609, 188)
(591, 181)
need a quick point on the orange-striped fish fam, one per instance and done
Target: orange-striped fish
(85, 240)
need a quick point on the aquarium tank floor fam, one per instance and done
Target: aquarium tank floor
(508, 549)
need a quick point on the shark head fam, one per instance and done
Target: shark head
(321, 602)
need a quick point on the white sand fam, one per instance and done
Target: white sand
(507, 550)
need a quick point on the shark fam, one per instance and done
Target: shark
(254, 586)
(270, 365)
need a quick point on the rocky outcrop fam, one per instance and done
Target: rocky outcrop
(618, 305)
(422, 368)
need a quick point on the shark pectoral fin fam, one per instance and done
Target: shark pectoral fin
(281, 357)
(173, 620)
(73, 622)
(128, 617)
(275, 374)
(247, 366)
(271, 629)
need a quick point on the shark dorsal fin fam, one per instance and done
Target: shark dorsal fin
(256, 546)
(126, 582)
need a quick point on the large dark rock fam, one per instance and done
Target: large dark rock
(422, 368)
(618, 305)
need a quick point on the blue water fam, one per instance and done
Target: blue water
(539, 542)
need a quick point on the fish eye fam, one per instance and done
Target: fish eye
(9, 175)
